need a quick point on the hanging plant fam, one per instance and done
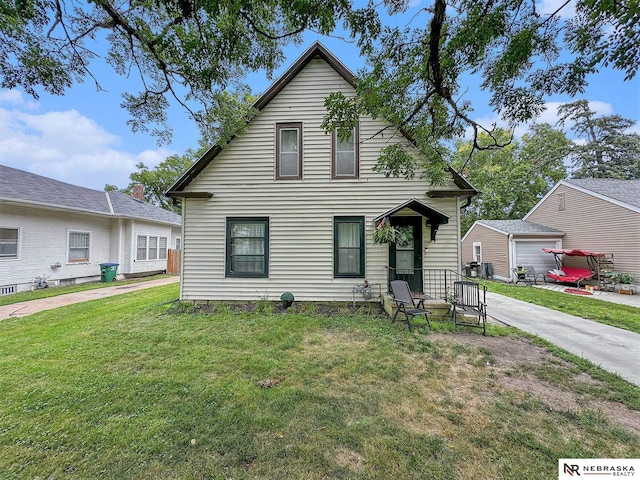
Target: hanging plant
(384, 232)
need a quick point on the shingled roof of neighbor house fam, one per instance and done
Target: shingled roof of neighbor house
(625, 191)
(518, 227)
(18, 186)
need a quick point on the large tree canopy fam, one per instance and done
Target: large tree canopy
(514, 178)
(187, 51)
(419, 73)
(190, 51)
(605, 149)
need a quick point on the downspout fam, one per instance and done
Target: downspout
(510, 259)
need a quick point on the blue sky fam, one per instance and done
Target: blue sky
(82, 137)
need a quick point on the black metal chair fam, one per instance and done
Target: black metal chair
(531, 275)
(470, 300)
(406, 304)
(528, 275)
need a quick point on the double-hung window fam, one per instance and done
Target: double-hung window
(477, 252)
(247, 247)
(344, 155)
(79, 247)
(288, 151)
(8, 243)
(151, 247)
(348, 247)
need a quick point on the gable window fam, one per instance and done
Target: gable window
(8, 243)
(151, 247)
(289, 151)
(561, 202)
(348, 247)
(345, 162)
(247, 247)
(79, 247)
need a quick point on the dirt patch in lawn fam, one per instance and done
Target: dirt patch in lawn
(516, 364)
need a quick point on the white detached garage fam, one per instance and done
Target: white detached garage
(507, 243)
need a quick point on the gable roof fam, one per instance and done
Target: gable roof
(516, 227)
(624, 193)
(316, 50)
(18, 186)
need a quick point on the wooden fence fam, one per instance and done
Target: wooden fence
(173, 262)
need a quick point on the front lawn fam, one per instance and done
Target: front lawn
(128, 387)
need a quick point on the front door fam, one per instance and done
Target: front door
(405, 256)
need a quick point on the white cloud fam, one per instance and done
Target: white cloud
(67, 146)
(15, 97)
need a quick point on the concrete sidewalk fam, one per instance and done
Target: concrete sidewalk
(611, 348)
(33, 306)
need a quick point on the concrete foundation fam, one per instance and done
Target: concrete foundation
(440, 310)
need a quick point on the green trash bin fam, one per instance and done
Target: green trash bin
(108, 272)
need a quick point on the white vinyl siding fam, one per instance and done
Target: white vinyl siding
(301, 214)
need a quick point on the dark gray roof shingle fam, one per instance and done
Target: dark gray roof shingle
(18, 185)
(626, 191)
(518, 226)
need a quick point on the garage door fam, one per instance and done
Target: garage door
(530, 253)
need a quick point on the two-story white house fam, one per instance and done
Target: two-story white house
(286, 207)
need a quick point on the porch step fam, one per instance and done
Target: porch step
(439, 308)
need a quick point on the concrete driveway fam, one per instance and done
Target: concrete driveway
(611, 348)
(33, 306)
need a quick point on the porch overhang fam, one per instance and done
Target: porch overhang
(434, 217)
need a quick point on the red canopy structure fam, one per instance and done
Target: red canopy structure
(574, 274)
(575, 252)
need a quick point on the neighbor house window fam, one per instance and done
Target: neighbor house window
(289, 151)
(79, 247)
(348, 247)
(141, 250)
(561, 202)
(162, 247)
(8, 243)
(151, 247)
(477, 252)
(344, 156)
(247, 247)
(178, 243)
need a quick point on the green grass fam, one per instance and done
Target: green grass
(609, 313)
(55, 291)
(128, 387)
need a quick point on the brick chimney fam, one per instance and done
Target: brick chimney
(138, 192)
